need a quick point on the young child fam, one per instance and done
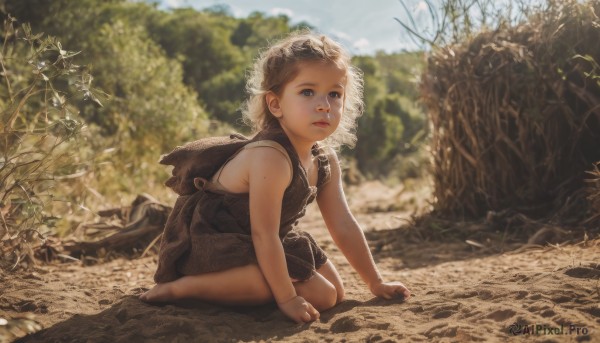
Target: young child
(231, 238)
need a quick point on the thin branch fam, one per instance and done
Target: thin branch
(7, 29)
(410, 17)
(413, 32)
(13, 117)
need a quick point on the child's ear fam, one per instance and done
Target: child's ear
(273, 104)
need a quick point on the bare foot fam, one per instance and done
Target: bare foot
(161, 292)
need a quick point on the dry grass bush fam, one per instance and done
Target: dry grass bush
(38, 137)
(515, 116)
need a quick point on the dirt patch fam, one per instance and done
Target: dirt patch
(461, 292)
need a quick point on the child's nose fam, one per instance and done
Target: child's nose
(323, 104)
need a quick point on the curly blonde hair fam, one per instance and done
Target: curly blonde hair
(278, 65)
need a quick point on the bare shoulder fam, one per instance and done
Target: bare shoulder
(267, 162)
(252, 164)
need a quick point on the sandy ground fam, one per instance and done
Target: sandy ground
(461, 292)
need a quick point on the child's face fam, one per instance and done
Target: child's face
(311, 104)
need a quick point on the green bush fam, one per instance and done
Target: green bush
(393, 124)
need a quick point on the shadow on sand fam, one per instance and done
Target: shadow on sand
(131, 320)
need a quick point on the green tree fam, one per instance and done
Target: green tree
(401, 72)
(149, 103)
(223, 95)
(381, 133)
(200, 41)
(392, 122)
(263, 30)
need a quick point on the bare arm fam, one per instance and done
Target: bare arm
(349, 237)
(269, 175)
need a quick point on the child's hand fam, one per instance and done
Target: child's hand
(389, 290)
(299, 310)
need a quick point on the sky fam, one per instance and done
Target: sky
(362, 26)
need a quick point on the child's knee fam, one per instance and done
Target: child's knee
(327, 298)
(340, 294)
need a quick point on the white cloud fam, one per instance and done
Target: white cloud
(278, 10)
(341, 35)
(238, 12)
(361, 44)
(174, 3)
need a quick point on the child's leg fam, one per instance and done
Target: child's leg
(236, 286)
(331, 274)
(324, 290)
(247, 286)
(318, 291)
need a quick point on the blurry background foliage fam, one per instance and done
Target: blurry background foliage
(172, 76)
(160, 79)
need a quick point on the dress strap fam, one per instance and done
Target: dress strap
(324, 171)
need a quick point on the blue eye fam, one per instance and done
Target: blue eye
(307, 92)
(335, 95)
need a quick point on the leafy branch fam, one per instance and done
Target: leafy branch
(39, 123)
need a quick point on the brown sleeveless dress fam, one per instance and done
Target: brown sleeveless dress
(209, 228)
